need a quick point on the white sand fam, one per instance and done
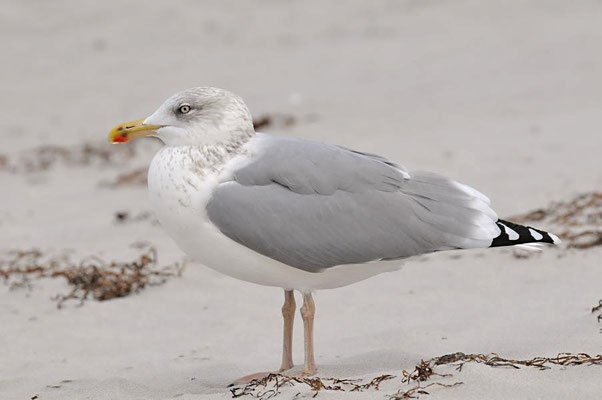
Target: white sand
(505, 97)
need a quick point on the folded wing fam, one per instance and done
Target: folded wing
(313, 206)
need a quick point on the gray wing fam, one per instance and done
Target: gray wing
(313, 206)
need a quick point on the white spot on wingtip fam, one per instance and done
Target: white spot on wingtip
(512, 234)
(555, 238)
(536, 235)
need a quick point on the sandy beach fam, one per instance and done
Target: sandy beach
(503, 97)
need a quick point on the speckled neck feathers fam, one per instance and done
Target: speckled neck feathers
(204, 158)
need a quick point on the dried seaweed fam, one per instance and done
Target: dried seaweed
(44, 157)
(92, 276)
(271, 385)
(425, 369)
(577, 221)
(421, 372)
(583, 240)
(494, 360)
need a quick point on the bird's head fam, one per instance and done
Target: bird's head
(200, 115)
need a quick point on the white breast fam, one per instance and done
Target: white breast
(180, 185)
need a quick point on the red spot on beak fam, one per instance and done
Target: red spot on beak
(120, 139)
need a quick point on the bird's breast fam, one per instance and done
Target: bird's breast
(181, 181)
(179, 186)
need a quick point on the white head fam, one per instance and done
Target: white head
(201, 115)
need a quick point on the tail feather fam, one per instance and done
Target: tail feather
(513, 234)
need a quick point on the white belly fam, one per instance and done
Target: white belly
(179, 192)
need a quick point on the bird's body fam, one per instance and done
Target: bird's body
(300, 214)
(180, 188)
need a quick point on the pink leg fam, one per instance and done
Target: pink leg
(288, 314)
(308, 310)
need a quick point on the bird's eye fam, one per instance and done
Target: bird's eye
(184, 109)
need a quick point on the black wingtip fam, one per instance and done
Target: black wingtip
(512, 234)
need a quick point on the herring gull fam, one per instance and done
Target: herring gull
(300, 214)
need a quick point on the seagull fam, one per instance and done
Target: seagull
(300, 214)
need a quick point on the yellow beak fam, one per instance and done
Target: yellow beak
(130, 130)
